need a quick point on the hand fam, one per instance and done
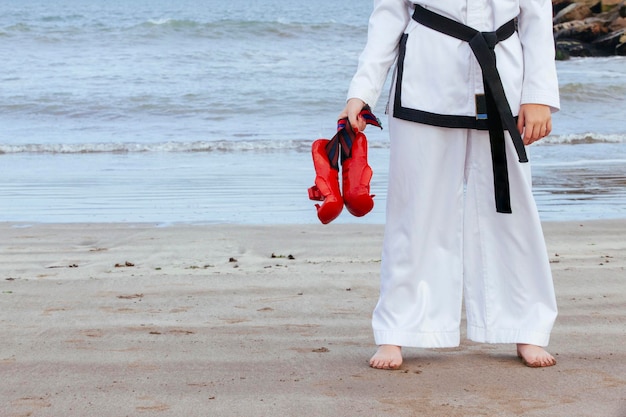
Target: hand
(351, 111)
(534, 122)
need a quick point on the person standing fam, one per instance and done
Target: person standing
(474, 84)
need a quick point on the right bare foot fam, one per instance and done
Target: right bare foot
(534, 356)
(387, 357)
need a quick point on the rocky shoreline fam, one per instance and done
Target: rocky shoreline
(589, 28)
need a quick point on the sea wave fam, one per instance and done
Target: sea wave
(215, 30)
(232, 146)
(583, 138)
(166, 26)
(593, 92)
(239, 29)
(163, 147)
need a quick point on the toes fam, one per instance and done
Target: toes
(384, 363)
(378, 364)
(550, 362)
(381, 364)
(539, 362)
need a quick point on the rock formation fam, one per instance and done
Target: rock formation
(589, 27)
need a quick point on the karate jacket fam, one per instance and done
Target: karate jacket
(441, 73)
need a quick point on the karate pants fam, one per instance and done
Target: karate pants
(444, 240)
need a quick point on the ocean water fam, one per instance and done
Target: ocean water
(204, 111)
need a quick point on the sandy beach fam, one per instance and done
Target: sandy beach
(228, 320)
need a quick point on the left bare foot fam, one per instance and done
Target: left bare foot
(534, 356)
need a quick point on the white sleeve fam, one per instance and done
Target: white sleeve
(386, 25)
(535, 30)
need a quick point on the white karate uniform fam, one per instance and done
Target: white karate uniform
(443, 236)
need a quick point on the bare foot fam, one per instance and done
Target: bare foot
(387, 357)
(534, 356)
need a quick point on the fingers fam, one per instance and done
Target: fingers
(536, 131)
(351, 111)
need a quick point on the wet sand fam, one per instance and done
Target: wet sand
(224, 320)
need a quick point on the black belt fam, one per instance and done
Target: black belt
(498, 111)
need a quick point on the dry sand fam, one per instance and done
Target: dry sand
(134, 320)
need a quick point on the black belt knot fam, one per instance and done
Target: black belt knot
(491, 38)
(498, 109)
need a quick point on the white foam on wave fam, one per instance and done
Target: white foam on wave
(259, 145)
(581, 163)
(162, 21)
(128, 147)
(583, 138)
